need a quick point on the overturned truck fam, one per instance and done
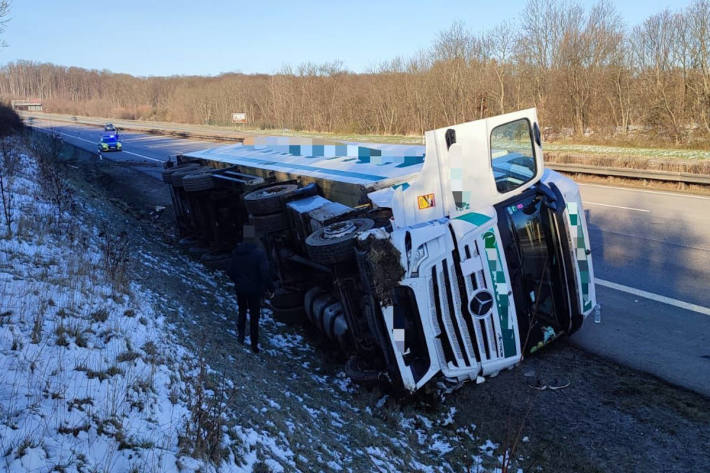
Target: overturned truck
(453, 259)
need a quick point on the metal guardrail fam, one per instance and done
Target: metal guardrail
(228, 135)
(630, 173)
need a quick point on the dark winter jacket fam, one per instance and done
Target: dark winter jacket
(250, 270)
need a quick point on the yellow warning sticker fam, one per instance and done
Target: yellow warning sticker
(426, 201)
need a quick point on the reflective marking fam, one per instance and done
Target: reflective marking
(654, 297)
(615, 206)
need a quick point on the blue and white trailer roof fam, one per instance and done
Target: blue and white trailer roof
(369, 165)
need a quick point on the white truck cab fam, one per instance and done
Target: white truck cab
(495, 251)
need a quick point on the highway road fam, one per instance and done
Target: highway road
(651, 254)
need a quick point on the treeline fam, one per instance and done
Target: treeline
(584, 69)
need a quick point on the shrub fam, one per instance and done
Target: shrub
(99, 315)
(115, 255)
(10, 121)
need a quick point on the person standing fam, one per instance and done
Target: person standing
(249, 269)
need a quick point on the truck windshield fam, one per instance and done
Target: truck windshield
(537, 270)
(512, 155)
(536, 258)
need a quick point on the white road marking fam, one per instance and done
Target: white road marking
(76, 137)
(144, 157)
(615, 206)
(654, 297)
(634, 189)
(127, 152)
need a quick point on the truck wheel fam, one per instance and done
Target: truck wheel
(319, 304)
(267, 200)
(167, 172)
(335, 242)
(200, 180)
(177, 176)
(310, 297)
(332, 314)
(265, 224)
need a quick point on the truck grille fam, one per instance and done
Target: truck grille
(464, 341)
(455, 336)
(485, 328)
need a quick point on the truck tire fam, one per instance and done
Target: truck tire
(311, 295)
(268, 199)
(331, 314)
(167, 172)
(319, 305)
(200, 180)
(334, 243)
(272, 223)
(177, 176)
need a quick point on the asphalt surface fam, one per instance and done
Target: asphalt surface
(651, 256)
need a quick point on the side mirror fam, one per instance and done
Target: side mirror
(536, 134)
(550, 196)
(450, 137)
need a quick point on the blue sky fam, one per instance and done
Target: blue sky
(161, 37)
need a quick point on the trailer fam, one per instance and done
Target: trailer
(451, 260)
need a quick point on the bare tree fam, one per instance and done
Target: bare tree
(697, 21)
(582, 67)
(655, 44)
(4, 18)
(500, 44)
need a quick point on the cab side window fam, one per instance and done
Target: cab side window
(512, 155)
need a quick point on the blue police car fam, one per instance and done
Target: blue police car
(110, 142)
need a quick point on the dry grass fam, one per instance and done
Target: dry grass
(701, 167)
(115, 256)
(641, 184)
(207, 400)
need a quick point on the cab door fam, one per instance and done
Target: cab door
(471, 165)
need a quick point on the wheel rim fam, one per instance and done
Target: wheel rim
(338, 229)
(269, 191)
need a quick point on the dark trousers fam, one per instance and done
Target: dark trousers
(252, 302)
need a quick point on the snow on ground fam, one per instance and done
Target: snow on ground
(97, 375)
(92, 376)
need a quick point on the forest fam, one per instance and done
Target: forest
(588, 73)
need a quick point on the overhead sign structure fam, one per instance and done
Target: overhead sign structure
(31, 105)
(239, 117)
